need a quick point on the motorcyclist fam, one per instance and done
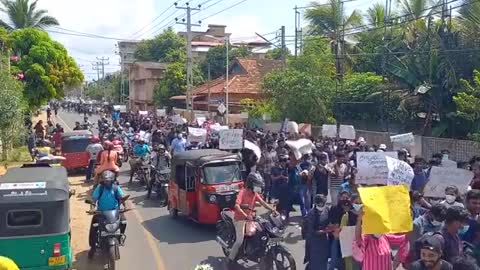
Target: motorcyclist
(140, 151)
(249, 195)
(160, 158)
(107, 160)
(107, 195)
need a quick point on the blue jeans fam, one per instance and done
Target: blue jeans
(89, 172)
(298, 194)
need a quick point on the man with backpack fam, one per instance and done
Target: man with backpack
(107, 195)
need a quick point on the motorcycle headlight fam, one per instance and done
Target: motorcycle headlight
(212, 198)
(111, 227)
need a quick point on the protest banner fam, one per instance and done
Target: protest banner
(178, 120)
(346, 132)
(386, 209)
(231, 139)
(346, 237)
(441, 177)
(400, 141)
(300, 147)
(143, 112)
(329, 131)
(272, 127)
(305, 129)
(161, 112)
(201, 120)
(382, 168)
(197, 135)
(292, 127)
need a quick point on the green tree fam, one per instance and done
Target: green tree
(167, 47)
(47, 67)
(23, 14)
(276, 54)
(258, 108)
(217, 56)
(12, 108)
(467, 102)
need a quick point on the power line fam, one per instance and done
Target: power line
(156, 18)
(225, 9)
(155, 28)
(80, 34)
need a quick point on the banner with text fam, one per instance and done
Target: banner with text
(231, 139)
(441, 177)
(400, 141)
(329, 131)
(382, 168)
(198, 135)
(346, 132)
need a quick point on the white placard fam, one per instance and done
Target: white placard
(305, 128)
(272, 127)
(143, 112)
(292, 127)
(300, 147)
(378, 168)
(231, 139)
(217, 127)
(442, 177)
(197, 135)
(400, 141)
(346, 237)
(201, 120)
(178, 120)
(329, 131)
(161, 112)
(347, 132)
(250, 145)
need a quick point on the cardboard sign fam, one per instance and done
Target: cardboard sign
(346, 132)
(198, 135)
(305, 129)
(400, 141)
(292, 127)
(143, 112)
(300, 147)
(178, 120)
(442, 177)
(161, 112)
(201, 120)
(386, 209)
(329, 131)
(346, 237)
(272, 127)
(378, 168)
(231, 139)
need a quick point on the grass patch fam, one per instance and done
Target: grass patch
(18, 155)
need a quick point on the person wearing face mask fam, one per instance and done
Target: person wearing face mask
(179, 144)
(429, 223)
(248, 196)
(451, 197)
(472, 203)
(317, 242)
(447, 162)
(431, 255)
(455, 223)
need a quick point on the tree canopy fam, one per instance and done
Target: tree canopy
(46, 65)
(166, 47)
(24, 14)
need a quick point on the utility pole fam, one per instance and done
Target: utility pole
(188, 23)
(284, 48)
(227, 73)
(208, 85)
(102, 62)
(297, 22)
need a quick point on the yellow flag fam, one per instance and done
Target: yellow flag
(386, 209)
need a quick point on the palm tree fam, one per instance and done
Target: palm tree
(23, 14)
(376, 15)
(329, 20)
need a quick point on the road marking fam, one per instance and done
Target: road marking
(150, 238)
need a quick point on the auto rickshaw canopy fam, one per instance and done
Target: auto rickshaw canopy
(79, 133)
(203, 156)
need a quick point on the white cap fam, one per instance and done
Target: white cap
(382, 146)
(361, 140)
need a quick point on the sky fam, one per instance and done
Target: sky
(140, 19)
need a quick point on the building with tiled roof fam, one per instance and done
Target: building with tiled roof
(245, 81)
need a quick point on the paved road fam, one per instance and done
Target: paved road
(155, 241)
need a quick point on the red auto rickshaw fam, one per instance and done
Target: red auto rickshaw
(74, 149)
(203, 182)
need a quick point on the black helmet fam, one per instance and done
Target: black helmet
(254, 180)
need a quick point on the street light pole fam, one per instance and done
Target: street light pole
(226, 78)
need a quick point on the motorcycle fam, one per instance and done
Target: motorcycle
(109, 236)
(159, 183)
(142, 172)
(264, 245)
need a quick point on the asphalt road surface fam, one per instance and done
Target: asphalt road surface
(155, 241)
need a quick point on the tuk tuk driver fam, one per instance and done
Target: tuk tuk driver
(249, 195)
(107, 195)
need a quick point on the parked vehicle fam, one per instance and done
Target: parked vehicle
(263, 245)
(35, 219)
(74, 149)
(203, 182)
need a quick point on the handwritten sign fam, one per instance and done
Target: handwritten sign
(217, 127)
(400, 141)
(143, 112)
(197, 135)
(346, 237)
(161, 112)
(272, 127)
(201, 120)
(347, 132)
(386, 209)
(441, 177)
(231, 139)
(329, 131)
(382, 168)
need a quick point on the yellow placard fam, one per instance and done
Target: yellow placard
(386, 209)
